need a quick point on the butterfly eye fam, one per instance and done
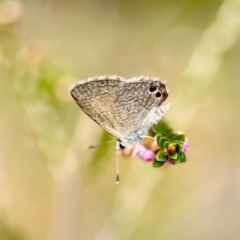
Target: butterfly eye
(158, 95)
(152, 88)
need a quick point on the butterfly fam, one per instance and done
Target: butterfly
(126, 108)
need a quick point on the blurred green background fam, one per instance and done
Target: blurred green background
(51, 186)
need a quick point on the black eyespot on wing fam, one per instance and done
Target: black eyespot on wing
(158, 95)
(152, 88)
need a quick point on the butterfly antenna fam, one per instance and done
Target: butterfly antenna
(117, 169)
(98, 145)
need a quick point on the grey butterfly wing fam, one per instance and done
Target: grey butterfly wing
(96, 98)
(136, 106)
(124, 108)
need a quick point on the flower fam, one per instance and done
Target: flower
(171, 162)
(145, 154)
(185, 145)
(172, 149)
(139, 150)
(162, 148)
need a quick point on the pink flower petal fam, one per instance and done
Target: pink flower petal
(171, 162)
(185, 145)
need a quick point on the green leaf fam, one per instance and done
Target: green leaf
(165, 145)
(182, 157)
(161, 127)
(162, 140)
(157, 164)
(174, 157)
(161, 156)
(178, 137)
(177, 142)
(178, 147)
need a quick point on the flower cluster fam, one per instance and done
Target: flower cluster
(165, 146)
(172, 149)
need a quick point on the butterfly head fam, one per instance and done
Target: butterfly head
(158, 91)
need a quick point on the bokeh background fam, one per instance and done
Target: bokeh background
(51, 186)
